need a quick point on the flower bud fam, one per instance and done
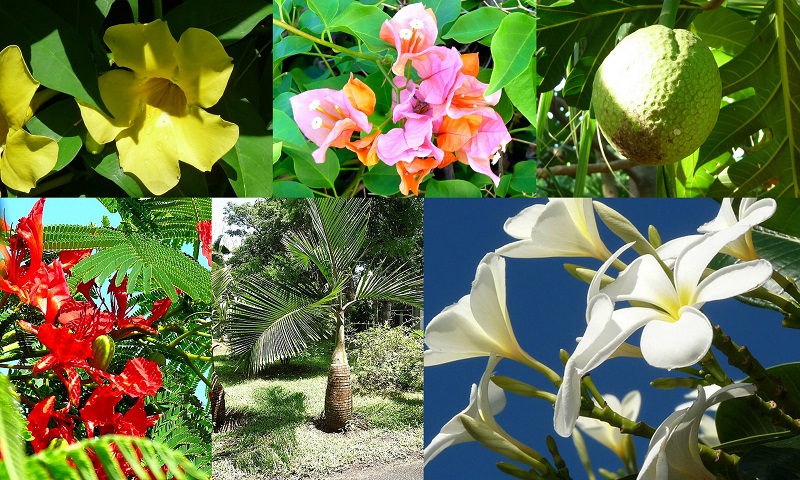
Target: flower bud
(158, 358)
(102, 352)
(92, 146)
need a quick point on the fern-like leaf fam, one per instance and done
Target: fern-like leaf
(80, 237)
(141, 454)
(151, 264)
(11, 446)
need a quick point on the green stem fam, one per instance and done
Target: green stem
(157, 9)
(669, 12)
(787, 284)
(184, 335)
(606, 414)
(711, 366)
(769, 386)
(719, 462)
(353, 187)
(332, 46)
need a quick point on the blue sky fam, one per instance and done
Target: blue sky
(547, 310)
(75, 211)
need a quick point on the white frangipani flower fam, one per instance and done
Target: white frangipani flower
(708, 427)
(751, 212)
(478, 324)
(673, 451)
(610, 436)
(453, 432)
(563, 227)
(676, 333)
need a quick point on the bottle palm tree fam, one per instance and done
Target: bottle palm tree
(273, 320)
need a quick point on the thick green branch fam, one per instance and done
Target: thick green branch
(719, 462)
(669, 12)
(769, 386)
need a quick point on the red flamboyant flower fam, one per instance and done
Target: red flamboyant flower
(42, 417)
(139, 378)
(204, 232)
(23, 272)
(119, 306)
(70, 258)
(67, 352)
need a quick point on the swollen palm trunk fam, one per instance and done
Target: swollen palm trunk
(339, 394)
(217, 403)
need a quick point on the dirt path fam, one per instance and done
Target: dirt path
(399, 471)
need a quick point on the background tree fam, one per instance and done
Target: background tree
(275, 313)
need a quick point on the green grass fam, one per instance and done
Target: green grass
(275, 434)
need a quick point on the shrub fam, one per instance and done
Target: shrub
(388, 359)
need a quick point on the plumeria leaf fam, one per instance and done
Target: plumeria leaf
(57, 55)
(736, 420)
(772, 461)
(229, 25)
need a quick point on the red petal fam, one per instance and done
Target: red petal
(140, 377)
(70, 258)
(99, 408)
(204, 233)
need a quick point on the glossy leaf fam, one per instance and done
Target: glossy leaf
(513, 46)
(364, 22)
(246, 164)
(55, 52)
(451, 189)
(317, 175)
(772, 461)
(724, 29)
(520, 92)
(445, 10)
(108, 167)
(228, 24)
(382, 179)
(291, 190)
(475, 25)
(60, 122)
(291, 45)
(524, 178)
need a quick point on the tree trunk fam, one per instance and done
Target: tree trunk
(339, 393)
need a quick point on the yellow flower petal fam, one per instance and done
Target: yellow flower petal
(26, 159)
(121, 95)
(17, 87)
(203, 138)
(148, 150)
(147, 49)
(203, 67)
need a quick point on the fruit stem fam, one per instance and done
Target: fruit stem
(668, 13)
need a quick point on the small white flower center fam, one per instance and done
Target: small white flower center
(405, 34)
(416, 24)
(313, 105)
(316, 123)
(677, 131)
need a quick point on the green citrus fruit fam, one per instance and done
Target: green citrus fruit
(657, 95)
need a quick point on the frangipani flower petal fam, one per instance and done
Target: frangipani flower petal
(673, 451)
(147, 49)
(692, 332)
(478, 325)
(26, 159)
(203, 67)
(751, 212)
(561, 228)
(644, 280)
(453, 432)
(733, 280)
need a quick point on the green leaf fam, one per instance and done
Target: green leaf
(772, 461)
(770, 65)
(589, 29)
(524, 177)
(520, 90)
(61, 122)
(513, 46)
(326, 10)
(735, 419)
(724, 29)
(786, 219)
(229, 24)
(382, 179)
(160, 264)
(12, 448)
(364, 22)
(291, 190)
(475, 25)
(451, 189)
(287, 131)
(502, 188)
(108, 167)
(249, 170)
(57, 55)
(291, 45)
(80, 237)
(317, 175)
(276, 151)
(445, 10)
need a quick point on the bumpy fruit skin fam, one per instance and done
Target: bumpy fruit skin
(103, 348)
(657, 95)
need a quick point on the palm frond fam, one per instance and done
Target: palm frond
(269, 322)
(390, 281)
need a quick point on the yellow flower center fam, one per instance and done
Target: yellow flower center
(165, 96)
